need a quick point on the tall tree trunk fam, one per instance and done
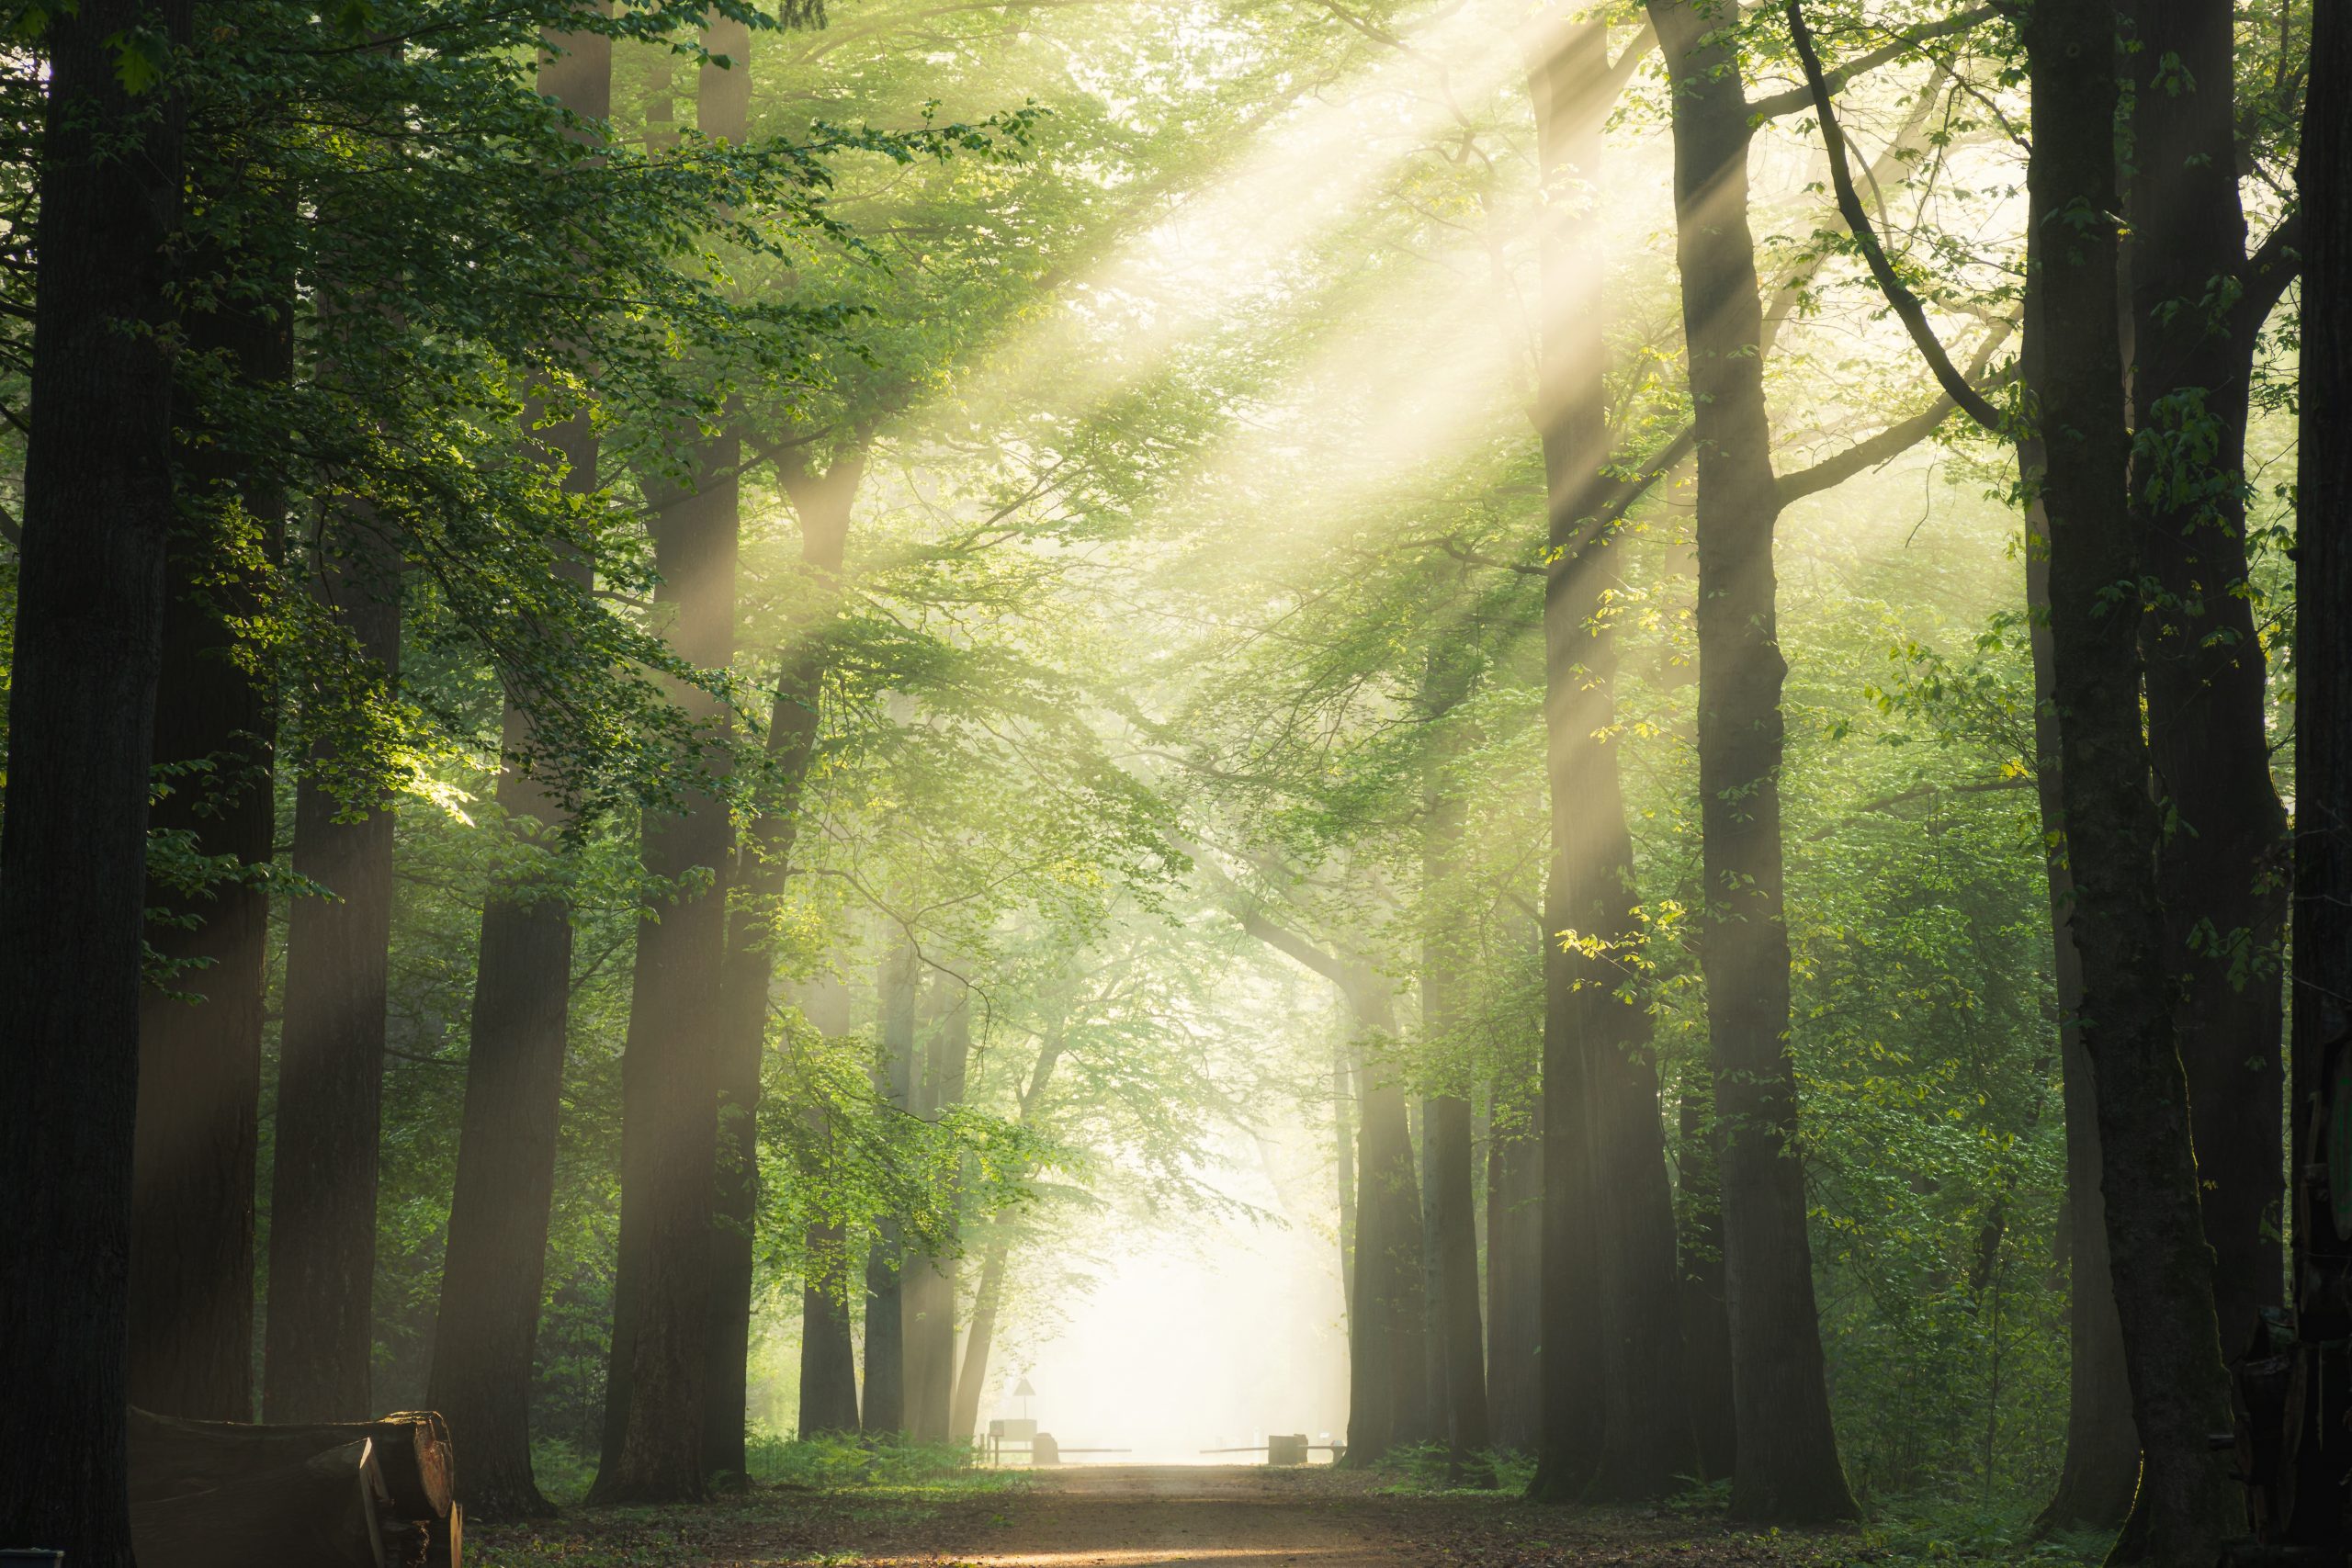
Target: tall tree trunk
(658, 1387)
(1514, 1259)
(886, 1341)
(763, 865)
(1787, 1467)
(963, 1420)
(2162, 1264)
(655, 1390)
(2224, 866)
(2101, 1469)
(1388, 1382)
(930, 1303)
(1566, 69)
(200, 1035)
(2323, 887)
(1703, 1313)
(90, 605)
(1457, 1350)
(488, 1323)
(318, 1344)
(1343, 1164)
(828, 1356)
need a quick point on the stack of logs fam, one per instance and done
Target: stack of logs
(356, 1494)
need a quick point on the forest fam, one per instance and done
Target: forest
(713, 707)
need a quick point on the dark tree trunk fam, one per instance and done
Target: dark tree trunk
(828, 1356)
(762, 867)
(1387, 1362)
(2224, 868)
(930, 1302)
(1456, 1335)
(654, 1390)
(1565, 78)
(199, 1036)
(1703, 1313)
(2101, 1469)
(2162, 1264)
(490, 1283)
(1514, 1261)
(1787, 1467)
(886, 1339)
(319, 1345)
(2322, 885)
(90, 605)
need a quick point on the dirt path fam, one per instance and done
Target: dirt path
(1160, 1516)
(1143, 1516)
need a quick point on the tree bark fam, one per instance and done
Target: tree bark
(655, 1389)
(1703, 1311)
(930, 1300)
(885, 1340)
(1456, 1349)
(763, 865)
(2224, 868)
(2323, 868)
(319, 1343)
(2162, 1266)
(200, 1034)
(490, 1285)
(828, 1356)
(2100, 1472)
(1514, 1262)
(1787, 1467)
(90, 605)
(963, 1420)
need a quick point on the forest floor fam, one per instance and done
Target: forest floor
(1163, 1516)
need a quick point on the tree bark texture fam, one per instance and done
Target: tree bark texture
(763, 864)
(495, 1269)
(655, 1390)
(929, 1299)
(1514, 1267)
(2100, 1472)
(1389, 1382)
(200, 1034)
(90, 606)
(828, 1356)
(886, 1339)
(1787, 1467)
(2162, 1264)
(2225, 850)
(1702, 1313)
(318, 1342)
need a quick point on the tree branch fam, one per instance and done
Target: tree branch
(1850, 202)
(1884, 447)
(1797, 99)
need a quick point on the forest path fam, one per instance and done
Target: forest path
(1136, 1516)
(1139, 1516)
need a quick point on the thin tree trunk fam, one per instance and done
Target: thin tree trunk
(2224, 865)
(1514, 1258)
(931, 1294)
(964, 1421)
(2162, 1264)
(1704, 1314)
(319, 1343)
(1456, 1349)
(827, 1354)
(90, 605)
(1343, 1164)
(886, 1341)
(200, 1035)
(1787, 1466)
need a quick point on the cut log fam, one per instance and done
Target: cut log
(169, 1454)
(323, 1509)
